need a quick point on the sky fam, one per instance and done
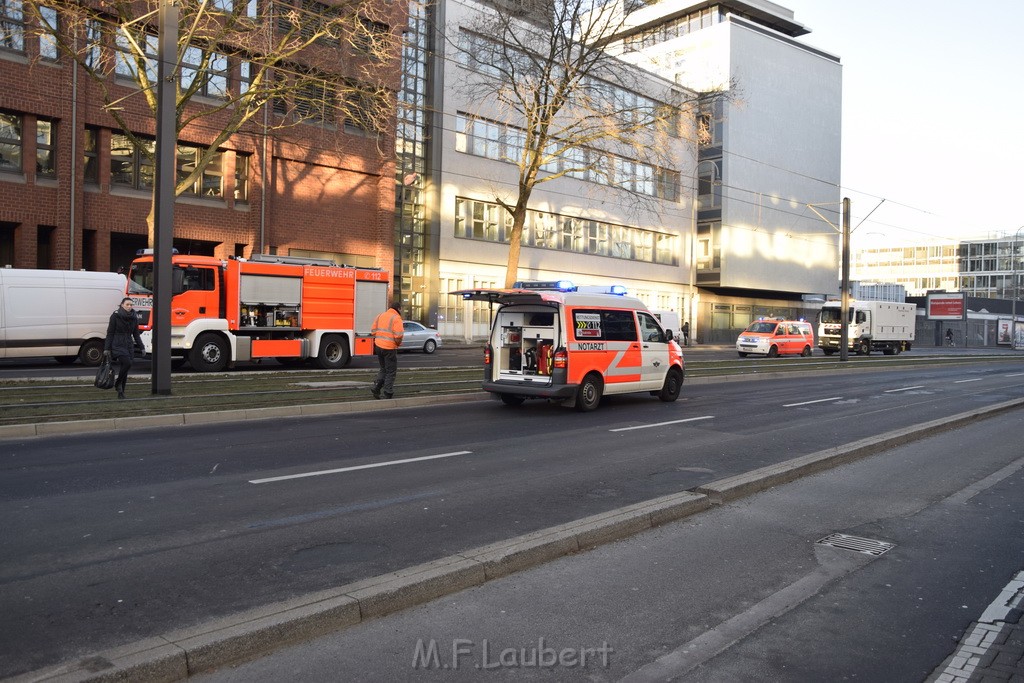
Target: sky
(933, 115)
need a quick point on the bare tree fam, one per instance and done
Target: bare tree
(572, 107)
(234, 58)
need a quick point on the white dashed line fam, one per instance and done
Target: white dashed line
(357, 467)
(893, 391)
(807, 403)
(662, 424)
(961, 381)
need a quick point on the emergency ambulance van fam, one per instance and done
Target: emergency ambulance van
(556, 342)
(776, 338)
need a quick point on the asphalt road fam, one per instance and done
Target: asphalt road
(110, 539)
(743, 592)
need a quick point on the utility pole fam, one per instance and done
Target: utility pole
(844, 329)
(166, 151)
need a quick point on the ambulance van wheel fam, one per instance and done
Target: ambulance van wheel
(806, 353)
(334, 352)
(742, 354)
(209, 353)
(510, 400)
(588, 396)
(773, 352)
(673, 385)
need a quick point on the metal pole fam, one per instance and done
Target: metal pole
(166, 150)
(1016, 291)
(844, 329)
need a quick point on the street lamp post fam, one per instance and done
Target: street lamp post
(1016, 291)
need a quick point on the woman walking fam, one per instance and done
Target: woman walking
(122, 340)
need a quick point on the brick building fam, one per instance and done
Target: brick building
(75, 192)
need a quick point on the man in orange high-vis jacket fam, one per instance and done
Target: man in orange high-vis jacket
(387, 337)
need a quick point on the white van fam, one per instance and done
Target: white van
(60, 313)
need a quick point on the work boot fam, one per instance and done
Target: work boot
(375, 391)
(389, 395)
(120, 392)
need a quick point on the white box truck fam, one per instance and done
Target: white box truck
(60, 313)
(884, 326)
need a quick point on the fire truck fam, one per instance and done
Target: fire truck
(287, 308)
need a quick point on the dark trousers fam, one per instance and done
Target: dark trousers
(122, 364)
(388, 360)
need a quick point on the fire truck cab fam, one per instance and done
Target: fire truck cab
(556, 342)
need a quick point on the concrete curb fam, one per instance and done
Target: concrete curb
(240, 637)
(109, 424)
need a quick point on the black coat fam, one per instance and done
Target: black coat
(122, 334)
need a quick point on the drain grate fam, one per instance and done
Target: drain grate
(868, 546)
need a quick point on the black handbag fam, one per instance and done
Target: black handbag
(105, 375)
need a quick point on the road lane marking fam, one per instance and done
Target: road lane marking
(806, 403)
(893, 391)
(961, 381)
(662, 424)
(1016, 374)
(357, 467)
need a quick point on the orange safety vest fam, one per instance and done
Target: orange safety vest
(387, 330)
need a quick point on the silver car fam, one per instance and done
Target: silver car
(419, 337)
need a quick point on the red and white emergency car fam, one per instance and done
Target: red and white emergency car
(553, 341)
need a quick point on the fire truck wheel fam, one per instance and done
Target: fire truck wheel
(510, 400)
(91, 352)
(334, 352)
(588, 396)
(209, 353)
(673, 385)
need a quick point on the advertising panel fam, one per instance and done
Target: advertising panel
(1004, 331)
(947, 306)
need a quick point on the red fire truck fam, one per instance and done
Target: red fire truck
(279, 307)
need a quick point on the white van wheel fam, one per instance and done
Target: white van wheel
(91, 352)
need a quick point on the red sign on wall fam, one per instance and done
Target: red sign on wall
(951, 306)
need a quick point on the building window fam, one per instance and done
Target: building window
(46, 143)
(315, 99)
(126, 65)
(490, 222)
(242, 177)
(93, 39)
(315, 21)
(10, 142)
(361, 105)
(210, 182)
(371, 38)
(244, 77)
(244, 8)
(131, 166)
(12, 26)
(91, 161)
(211, 70)
(50, 25)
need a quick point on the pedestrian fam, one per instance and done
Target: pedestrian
(122, 341)
(686, 333)
(949, 336)
(387, 337)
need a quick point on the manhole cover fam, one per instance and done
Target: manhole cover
(868, 546)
